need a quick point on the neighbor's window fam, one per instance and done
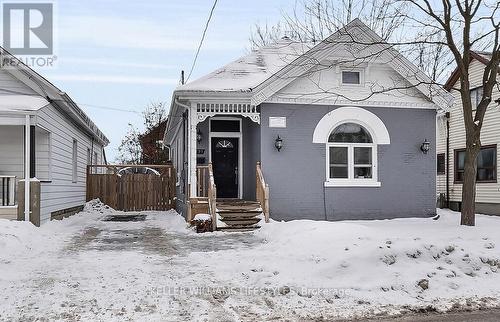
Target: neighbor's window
(486, 165)
(74, 161)
(351, 153)
(476, 95)
(351, 77)
(441, 163)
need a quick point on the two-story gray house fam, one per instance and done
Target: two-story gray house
(341, 129)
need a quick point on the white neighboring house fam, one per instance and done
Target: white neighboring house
(45, 134)
(451, 157)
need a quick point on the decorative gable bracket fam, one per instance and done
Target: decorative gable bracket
(205, 110)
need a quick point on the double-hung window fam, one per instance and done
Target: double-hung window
(486, 165)
(351, 157)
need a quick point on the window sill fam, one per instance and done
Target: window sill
(353, 183)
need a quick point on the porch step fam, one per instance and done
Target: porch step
(240, 221)
(238, 229)
(239, 215)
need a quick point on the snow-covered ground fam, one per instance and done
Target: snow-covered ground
(84, 268)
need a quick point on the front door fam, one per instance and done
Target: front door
(225, 166)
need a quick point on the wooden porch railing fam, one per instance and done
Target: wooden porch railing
(206, 190)
(262, 191)
(202, 179)
(212, 196)
(7, 193)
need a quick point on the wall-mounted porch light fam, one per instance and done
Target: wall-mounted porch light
(278, 143)
(199, 136)
(426, 145)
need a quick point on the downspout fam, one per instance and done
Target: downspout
(27, 180)
(447, 115)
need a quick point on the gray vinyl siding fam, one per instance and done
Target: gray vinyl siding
(61, 192)
(296, 175)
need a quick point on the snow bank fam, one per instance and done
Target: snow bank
(369, 265)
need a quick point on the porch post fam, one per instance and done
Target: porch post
(193, 121)
(27, 135)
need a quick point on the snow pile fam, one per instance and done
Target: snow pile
(367, 267)
(202, 217)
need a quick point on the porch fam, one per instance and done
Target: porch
(19, 145)
(225, 178)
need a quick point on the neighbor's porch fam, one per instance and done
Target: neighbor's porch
(25, 149)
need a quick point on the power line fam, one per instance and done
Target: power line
(201, 41)
(110, 108)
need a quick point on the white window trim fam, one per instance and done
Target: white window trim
(367, 119)
(351, 181)
(356, 70)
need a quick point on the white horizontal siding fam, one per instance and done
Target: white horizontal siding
(490, 134)
(9, 85)
(12, 150)
(62, 192)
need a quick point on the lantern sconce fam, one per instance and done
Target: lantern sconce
(199, 136)
(278, 143)
(426, 145)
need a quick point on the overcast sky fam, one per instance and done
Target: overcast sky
(125, 54)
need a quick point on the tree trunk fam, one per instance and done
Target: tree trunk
(469, 185)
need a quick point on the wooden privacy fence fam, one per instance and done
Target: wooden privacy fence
(130, 188)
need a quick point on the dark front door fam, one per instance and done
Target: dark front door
(225, 165)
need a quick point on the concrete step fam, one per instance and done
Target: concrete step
(238, 229)
(239, 214)
(240, 221)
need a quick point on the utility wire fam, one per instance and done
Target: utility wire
(201, 41)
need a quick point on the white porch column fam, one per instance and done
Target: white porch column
(27, 180)
(193, 121)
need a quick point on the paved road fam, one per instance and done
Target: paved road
(476, 316)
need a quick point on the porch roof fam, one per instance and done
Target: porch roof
(21, 103)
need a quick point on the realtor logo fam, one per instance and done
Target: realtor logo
(28, 28)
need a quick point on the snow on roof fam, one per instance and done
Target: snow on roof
(247, 72)
(18, 103)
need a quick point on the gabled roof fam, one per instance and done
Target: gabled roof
(247, 72)
(264, 72)
(482, 57)
(47, 92)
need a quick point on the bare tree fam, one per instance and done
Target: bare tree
(466, 24)
(130, 150)
(154, 114)
(314, 20)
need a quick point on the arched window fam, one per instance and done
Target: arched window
(351, 155)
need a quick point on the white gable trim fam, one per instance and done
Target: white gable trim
(355, 115)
